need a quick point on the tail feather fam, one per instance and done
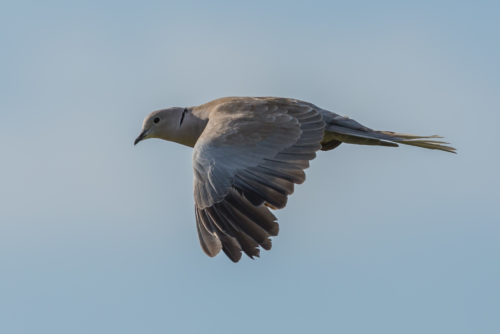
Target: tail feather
(407, 136)
(420, 141)
(341, 129)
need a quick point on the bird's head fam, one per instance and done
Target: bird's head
(164, 124)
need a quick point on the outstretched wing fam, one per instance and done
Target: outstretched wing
(247, 159)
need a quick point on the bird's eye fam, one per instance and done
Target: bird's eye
(156, 120)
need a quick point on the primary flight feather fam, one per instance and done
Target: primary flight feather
(248, 154)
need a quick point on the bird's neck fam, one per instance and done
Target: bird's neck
(191, 128)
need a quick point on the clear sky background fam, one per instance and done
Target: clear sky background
(98, 236)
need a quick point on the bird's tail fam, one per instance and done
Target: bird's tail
(345, 130)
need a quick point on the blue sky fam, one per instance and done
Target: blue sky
(98, 236)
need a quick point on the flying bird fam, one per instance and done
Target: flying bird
(249, 152)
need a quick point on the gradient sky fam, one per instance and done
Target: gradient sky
(98, 236)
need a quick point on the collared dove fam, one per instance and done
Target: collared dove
(248, 154)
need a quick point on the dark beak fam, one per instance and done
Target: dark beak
(141, 137)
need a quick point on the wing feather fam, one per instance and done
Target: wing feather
(248, 159)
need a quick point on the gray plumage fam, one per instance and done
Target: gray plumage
(249, 152)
